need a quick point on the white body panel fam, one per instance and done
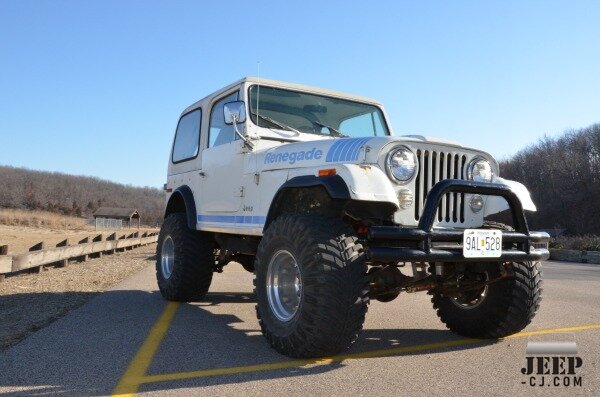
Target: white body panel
(494, 204)
(234, 186)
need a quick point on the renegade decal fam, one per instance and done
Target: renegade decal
(345, 149)
(292, 157)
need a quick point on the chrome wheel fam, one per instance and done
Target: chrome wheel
(284, 285)
(472, 299)
(167, 257)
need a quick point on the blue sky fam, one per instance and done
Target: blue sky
(96, 87)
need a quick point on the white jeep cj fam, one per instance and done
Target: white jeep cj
(310, 190)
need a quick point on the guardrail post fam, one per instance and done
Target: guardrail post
(111, 237)
(38, 247)
(83, 258)
(129, 236)
(3, 251)
(97, 239)
(64, 262)
(123, 237)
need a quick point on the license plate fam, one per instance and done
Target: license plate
(481, 243)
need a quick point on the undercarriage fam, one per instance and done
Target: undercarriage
(455, 280)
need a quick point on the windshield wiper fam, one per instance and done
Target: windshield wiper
(332, 130)
(277, 123)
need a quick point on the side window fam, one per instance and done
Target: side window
(187, 137)
(220, 133)
(363, 125)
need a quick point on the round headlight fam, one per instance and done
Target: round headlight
(401, 164)
(479, 170)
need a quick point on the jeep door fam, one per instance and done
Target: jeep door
(222, 163)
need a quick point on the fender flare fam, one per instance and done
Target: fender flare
(190, 205)
(334, 185)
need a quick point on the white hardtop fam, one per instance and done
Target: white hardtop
(321, 91)
(284, 85)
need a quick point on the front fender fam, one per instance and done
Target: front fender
(367, 183)
(495, 204)
(364, 182)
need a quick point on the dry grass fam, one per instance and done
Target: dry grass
(21, 229)
(580, 243)
(40, 219)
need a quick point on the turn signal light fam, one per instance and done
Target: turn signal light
(327, 172)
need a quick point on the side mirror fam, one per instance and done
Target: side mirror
(234, 112)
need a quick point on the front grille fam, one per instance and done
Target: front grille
(435, 166)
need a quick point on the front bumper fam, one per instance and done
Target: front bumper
(424, 244)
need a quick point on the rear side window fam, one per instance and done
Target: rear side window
(187, 137)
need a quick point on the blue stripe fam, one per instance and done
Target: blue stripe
(332, 149)
(339, 156)
(336, 149)
(354, 149)
(233, 219)
(357, 151)
(345, 149)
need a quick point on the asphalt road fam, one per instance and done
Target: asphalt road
(132, 338)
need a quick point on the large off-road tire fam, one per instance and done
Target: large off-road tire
(310, 285)
(503, 308)
(185, 260)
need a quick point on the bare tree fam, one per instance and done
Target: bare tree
(563, 175)
(67, 194)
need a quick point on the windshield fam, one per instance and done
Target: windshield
(314, 114)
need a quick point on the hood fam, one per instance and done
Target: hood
(335, 151)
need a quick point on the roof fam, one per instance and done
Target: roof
(285, 85)
(113, 212)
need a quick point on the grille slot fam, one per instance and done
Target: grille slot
(435, 166)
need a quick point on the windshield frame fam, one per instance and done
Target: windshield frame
(386, 133)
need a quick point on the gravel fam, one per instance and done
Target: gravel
(29, 302)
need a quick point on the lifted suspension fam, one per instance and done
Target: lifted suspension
(386, 282)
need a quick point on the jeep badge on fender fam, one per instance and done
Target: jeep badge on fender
(311, 191)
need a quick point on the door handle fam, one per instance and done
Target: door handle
(202, 174)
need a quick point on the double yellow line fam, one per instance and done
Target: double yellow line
(135, 375)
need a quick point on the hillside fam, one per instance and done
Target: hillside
(75, 195)
(563, 176)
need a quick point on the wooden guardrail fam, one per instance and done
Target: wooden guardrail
(60, 255)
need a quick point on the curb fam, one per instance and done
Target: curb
(575, 256)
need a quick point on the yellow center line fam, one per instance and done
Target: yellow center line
(135, 375)
(577, 328)
(131, 379)
(307, 362)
